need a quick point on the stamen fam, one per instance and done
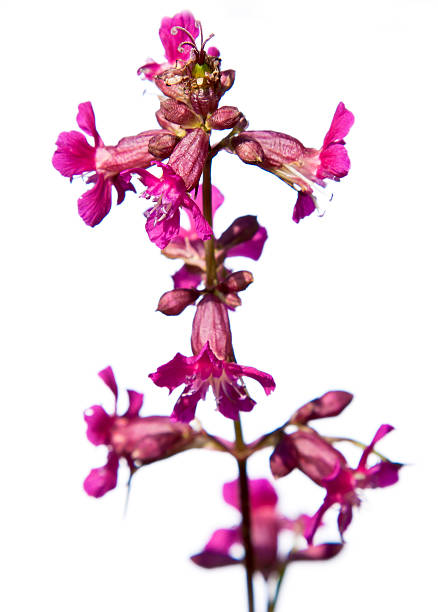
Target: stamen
(206, 41)
(174, 32)
(189, 44)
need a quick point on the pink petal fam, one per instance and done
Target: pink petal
(232, 399)
(384, 474)
(87, 121)
(172, 42)
(162, 232)
(99, 424)
(210, 559)
(223, 539)
(381, 433)
(341, 123)
(266, 380)
(345, 517)
(261, 492)
(74, 155)
(252, 248)
(135, 403)
(107, 375)
(304, 207)
(150, 69)
(319, 552)
(334, 161)
(122, 183)
(101, 480)
(185, 407)
(95, 204)
(174, 373)
(202, 227)
(187, 278)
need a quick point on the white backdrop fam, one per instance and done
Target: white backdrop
(344, 301)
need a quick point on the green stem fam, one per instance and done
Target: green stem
(210, 262)
(210, 259)
(273, 602)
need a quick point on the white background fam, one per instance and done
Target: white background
(344, 301)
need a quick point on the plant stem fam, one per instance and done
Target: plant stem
(273, 602)
(210, 261)
(246, 516)
(210, 258)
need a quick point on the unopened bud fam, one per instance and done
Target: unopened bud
(224, 118)
(179, 113)
(232, 300)
(211, 324)
(174, 302)
(227, 80)
(249, 151)
(161, 146)
(236, 281)
(330, 404)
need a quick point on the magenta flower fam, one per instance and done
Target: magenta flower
(171, 43)
(200, 372)
(302, 168)
(139, 440)
(110, 166)
(163, 219)
(266, 525)
(327, 467)
(244, 238)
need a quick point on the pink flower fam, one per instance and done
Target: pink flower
(200, 372)
(139, 440)
(171, 43)
(244, 238)
(110, 166)
(328, 468)
(266, 525)
(163, 219)
(302, 168)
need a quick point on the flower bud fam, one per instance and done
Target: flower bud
(211, 324)
(224, 118)
(249, 151)
(277, 148)
(330, 404)
(232, 300)
(227, 80)
(236, 281)
(175, 301)
(188, 157)
(162, 145)
(179, 113)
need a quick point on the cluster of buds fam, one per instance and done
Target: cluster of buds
(169, 162)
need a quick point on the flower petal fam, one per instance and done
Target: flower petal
(107, 375)
(101, 480)
(95, 204)
(173, 373)
(74, 154)
(98, 425)
(171, 42)
(341, 123)
(87, 121)
(304, 206)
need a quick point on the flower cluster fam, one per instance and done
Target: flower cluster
(171, 164)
